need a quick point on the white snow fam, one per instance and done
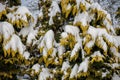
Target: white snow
(74, 71)
(117, 40)
(114, 51)
(97, 53)
(96, 6)
(82, 17)
(20, 14)
(93, 32)
(111, 39)
(115, 65)
(45, 74)
(64, 34)
(47, 42)
(15, 44)
(115, 77)
(102, 36)
(40, 13)
(25, 31)
(41, 41)
(6, 29)
(49, 39)
(74, 30)
(106, 21)
(84, 65)
(26, 55)
(2, 7)
(78, 3)
(76, 48)
(105, 73)
(44, 52)
(31, 36)
(30, 33)
(36, 67)
(61, 50)
(23, 10)
(90, 44)
(53, 10)
(102, 43)
(65, 66)
(108, 25)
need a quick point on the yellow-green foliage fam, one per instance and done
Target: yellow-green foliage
(20, 23)
(102, 44)
(12, 53)
(82, 27)
(49, 61)
(83, 74)
(41, 49)
(88, 50)
(100, 15)
(49, 52)
(45, 58)
(2, 13)
(87, 39)
(97, 59)
(82, 7)
(72, 8)
(68, 41)
(73, 58)
(64, 4)
(66, 73)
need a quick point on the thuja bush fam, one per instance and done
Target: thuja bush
(71, 39)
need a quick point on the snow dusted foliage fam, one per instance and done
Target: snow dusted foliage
(11, 42)
(71, 40)
(54, 9)
(2, 11)
(87, 38)
(6, 31)
(22, 17)
(82, 19)
(13, 46)
(83, 67)
(29, 33)
(46, 47)
(74, 71)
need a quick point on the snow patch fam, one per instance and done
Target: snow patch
(36, 67)
(84, 65)
(53, 10)
(74, 71)
(45, 74)
(15, 44)
(6, 29)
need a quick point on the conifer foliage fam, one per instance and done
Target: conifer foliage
(70, 40)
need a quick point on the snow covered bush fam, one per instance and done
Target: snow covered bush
(20, 18)
(85, 39)
(71, 40)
